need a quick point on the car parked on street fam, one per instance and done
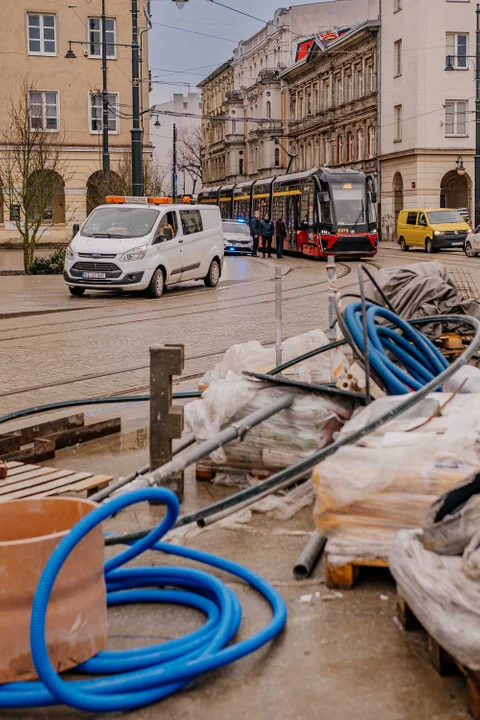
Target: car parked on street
(145, 244)
(431, 229)
(236, 237)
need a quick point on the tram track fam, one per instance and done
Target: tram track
(167, 313)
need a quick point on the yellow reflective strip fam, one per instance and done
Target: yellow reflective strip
(225, 199)
(242, 197)
(262, 195)
(287, 192)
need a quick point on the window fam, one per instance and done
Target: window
(371, 78)
(96, 112)
(397, 5)
(191, 221)
(397, 118)
(457, 50)
(339, 150)
(328, 146)
(95, 37)
(168, 225)
(240, 166)
(422, 220)
(397, 54)
(41, 34)
(359, 145)
(349, 147)
(43, 110)
(349, 87)
(269, 109)
(456, 118)
(359, 81)
(412, 218)
(371, 141)
(277, 157)
(338, 91)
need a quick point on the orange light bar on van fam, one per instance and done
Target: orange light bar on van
(115, 199)
(160, 200)
(186, 200)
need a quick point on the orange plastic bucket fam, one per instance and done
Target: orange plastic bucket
(76, 626)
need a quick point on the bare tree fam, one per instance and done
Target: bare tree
(32, 168)
(189, 152)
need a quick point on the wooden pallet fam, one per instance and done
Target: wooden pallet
(441, 660)
(32, 481)
(343, 577)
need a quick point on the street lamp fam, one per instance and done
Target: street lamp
(449, 67)
(180, 3)
(460, 167)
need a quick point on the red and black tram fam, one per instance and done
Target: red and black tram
(326, 211)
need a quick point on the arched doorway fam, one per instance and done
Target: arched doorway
(45, 196)
(455, 191)
(98, 188)
(397, 198)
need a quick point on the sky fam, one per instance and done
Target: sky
(182, 56)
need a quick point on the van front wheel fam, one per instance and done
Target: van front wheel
(157, 284)
(211, 280)
(403, 245)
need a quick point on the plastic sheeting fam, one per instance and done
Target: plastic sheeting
(442, 596)
(280, 441)
(256, 358)
(419, 290)
(366, 493)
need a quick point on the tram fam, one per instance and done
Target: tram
(327, 211)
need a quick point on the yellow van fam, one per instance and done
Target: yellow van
(431, 230)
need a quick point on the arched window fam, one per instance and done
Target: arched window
(359, 145)
(277, 157)
(269, 109)
(349, 147)
(371, 141)
(328, 152)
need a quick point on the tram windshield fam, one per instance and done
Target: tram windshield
(350, 204)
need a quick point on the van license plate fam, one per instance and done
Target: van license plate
(94, 275)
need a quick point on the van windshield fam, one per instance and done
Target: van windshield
(120, 222)
(442, 217)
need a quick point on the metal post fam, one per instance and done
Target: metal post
(174, 163)
(166, 421)
(332, 333)
(477, 123)
(278, 316)
(137, 179)
(105, 151)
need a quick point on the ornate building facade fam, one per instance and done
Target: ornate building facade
(216, 88)
(331, 95)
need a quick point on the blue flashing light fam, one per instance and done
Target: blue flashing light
(240, 220)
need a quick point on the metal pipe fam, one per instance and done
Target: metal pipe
(233, 432)
(332, 333)
(366, 361)
(311, 387)
(278, 316)
(309, 556)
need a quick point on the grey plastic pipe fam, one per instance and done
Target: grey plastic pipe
(309, 557)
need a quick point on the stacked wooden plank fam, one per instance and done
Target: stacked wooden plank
(33, 481)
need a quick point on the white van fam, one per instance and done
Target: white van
(135, 243)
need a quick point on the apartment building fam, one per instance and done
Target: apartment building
(332, 101)
(427, 103)
(64, 94)
(217, 91)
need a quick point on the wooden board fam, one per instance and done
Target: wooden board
(29, 481)
(342, 577)
(441, 660)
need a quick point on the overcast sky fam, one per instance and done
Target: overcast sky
(178, 56)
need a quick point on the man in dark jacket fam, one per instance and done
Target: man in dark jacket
(268, 231)
(280, 235)
(255, 231)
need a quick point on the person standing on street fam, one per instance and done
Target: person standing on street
(280, 235)
(268, 231)
(255, 232)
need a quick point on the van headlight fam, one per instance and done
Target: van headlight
(136, 253)
(439, 232)
(69, 253)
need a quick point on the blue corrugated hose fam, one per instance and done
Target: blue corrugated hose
(419, 361)
(137, 677)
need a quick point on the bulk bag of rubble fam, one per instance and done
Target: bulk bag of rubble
(283, 439)
(366, 493)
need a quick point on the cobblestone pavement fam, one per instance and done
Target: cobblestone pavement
(54, 347)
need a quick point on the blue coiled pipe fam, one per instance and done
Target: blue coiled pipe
(418, 360)
(137, 677)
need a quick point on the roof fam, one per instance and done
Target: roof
(215, 73)
(325, 45)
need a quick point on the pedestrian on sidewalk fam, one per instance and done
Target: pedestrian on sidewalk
(255, 232)
(280, 235)
(268, 231)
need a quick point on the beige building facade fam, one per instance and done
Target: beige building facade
(427, 120)
(65, 98)
(217, 90)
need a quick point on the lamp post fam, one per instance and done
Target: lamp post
(137, 174)
(105, 151)
(450, 67)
